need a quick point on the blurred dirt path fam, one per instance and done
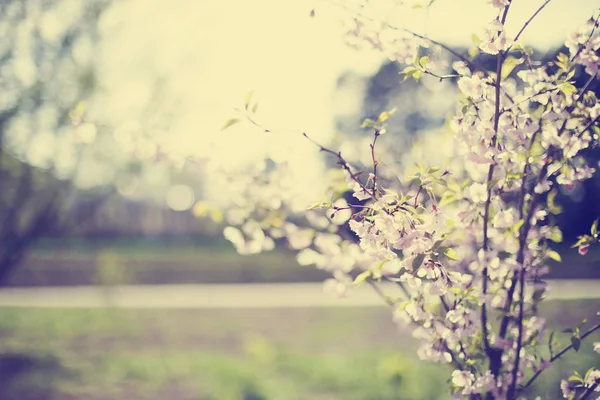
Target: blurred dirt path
(284, 295)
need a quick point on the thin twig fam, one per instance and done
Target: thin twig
(344, 164)
(588, 392)
(529, 21)
(378, 290)
(588, 126)
(372, 145)
(441, 77)
(557, 356)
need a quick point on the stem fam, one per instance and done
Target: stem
(435, 42)
(588, 126)
(512, 388)
(417, 196)
(529, 21)
(557, 356)
(378, 290)
(372, 145)
(345, 165)
(494, 355)
(440, 77)
(588, 392)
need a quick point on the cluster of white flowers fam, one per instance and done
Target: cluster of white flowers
(463, 240)
(584, 45)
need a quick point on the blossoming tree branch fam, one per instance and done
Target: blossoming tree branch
(466, 243)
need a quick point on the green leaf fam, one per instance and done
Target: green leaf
(515, 228)
(568, 89)
(418, 261)
(408, 72)
(362, 277)
(316, 205)
(423, 61)
(553, 255)
(248, 99)
(555, 235)
(594, 230)
(553, 207)
(255, 108)
(537, 295)
(367, 123)
(449, 253)
(229, 123)
(492, 183)
(475, 39)
(509, 65)
(447, 198)
(385, 115)
(576, 342)
(562, 61)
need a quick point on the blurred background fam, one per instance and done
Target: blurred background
(114, 173)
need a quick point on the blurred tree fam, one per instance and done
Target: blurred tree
(46, 68)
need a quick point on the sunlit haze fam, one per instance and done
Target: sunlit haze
(176, 70)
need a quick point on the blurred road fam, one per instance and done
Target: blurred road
(295, 295)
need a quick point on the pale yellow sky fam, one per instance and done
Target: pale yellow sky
(184, 65)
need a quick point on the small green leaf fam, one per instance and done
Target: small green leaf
(553, 207)
(255, 108)
(475, 39)
(385, 115)
(229, 123)
(537, 295)
(447, 198)
(594, 230)
(515, 228)
(449, 253)
(576, 342)
(362, 277)
(248, 99)
(316, 205)
(562, 61)
(568, 89)
(509, 65)
(367, 123)
(553, 255)
(556, 235)
(418, 261)
(423, 61)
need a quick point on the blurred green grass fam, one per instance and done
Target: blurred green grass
(359, 353)
(197, 260)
